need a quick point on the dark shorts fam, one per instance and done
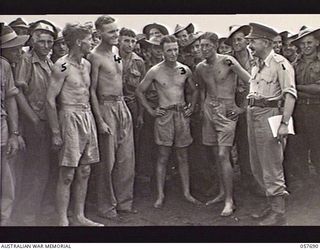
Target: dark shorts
(79, 135)
(217, 128)
(172, 129)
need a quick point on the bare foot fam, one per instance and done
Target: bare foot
(85, 222)
(219, 198)
(228, 209)
(159, 202)
(193, 200)
(63, 223)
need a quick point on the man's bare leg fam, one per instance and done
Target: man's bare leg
(163, 157)
(182, 156)
(220, 196)
(65, 179)
(227, 178)
(81, 185)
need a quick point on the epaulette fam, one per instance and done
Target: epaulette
(278, 58)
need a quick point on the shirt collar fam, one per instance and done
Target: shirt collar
(35, 57)
(3, 58)
(268, 58)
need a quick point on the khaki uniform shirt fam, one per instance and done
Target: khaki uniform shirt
(273, 79)
(133, 73)
(8, 89)
(308, 72)
(32, 75)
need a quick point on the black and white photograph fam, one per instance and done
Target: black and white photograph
(136, 120)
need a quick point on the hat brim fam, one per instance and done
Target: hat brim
(193, 40)
(189, 28)
(160, 27)
(297, 41)
(18, 41)
(148, 43)
(244, 28)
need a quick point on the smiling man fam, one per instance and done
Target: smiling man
(272, 92)
(133, 73)
(307, 110)
(32, 77)
(114, 122)
(74, 132)
(216, 76)
(172, 123)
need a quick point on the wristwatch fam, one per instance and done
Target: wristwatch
(285, 123)
(15, 132)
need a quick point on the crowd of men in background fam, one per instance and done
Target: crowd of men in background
(96, 95)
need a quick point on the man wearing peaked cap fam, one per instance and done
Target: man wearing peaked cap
(272, 92)
(32, 74)
(155, 29)
(45, 26)
(11, 51)
(19, 26)
(307, 109)
(237, 39)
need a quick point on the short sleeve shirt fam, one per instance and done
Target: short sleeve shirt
(8, 88)
(272, 80)
(32, 74)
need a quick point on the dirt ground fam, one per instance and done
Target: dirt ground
(302, 207)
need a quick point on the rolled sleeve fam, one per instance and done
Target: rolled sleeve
(23, 72)
(287, 79)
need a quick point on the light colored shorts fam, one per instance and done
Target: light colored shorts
(173, 128)
(217, 128)
(79, 135)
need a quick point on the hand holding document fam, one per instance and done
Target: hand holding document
(275, 122)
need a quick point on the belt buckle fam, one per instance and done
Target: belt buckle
(251, 102)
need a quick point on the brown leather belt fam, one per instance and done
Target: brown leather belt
(308, 101)
(263, 103)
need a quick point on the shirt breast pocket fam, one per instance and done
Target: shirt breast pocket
(268, 78)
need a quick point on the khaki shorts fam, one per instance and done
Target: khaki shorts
(217, 129)
(79, 135)
(173, 129)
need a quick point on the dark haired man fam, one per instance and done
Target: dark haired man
(133, 73)
(217, 79)
(171, 128)
(74, 132)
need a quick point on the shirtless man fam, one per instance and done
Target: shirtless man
(116, 170)
(217, 79)
(74, 132)
(171, 127)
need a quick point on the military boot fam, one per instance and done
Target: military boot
(276, 217)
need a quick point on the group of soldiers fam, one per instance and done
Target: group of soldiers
(121, 102)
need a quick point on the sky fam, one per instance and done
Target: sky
(214, 23)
